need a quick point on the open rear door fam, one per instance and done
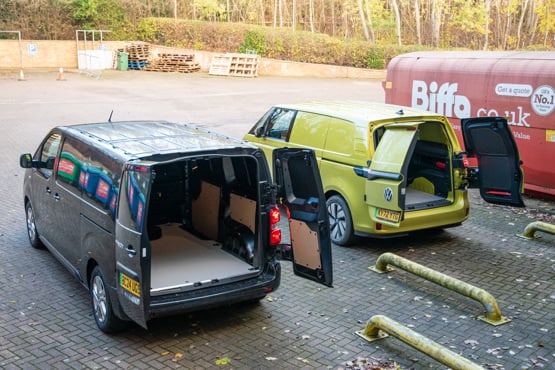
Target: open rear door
(490, 140)
(297, 175)
(386, 185)
(132, 255)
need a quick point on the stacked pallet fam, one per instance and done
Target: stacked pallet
(242, 65)
(184, 63)
(139, 55)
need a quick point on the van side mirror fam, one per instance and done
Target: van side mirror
(49, 165)
(26, 160)
(259, 132)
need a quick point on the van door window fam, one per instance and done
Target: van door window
(69, 167)
(48, 152)
(131, 210)
(280, 123)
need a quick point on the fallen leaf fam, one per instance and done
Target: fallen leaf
(494, 351)
(165, 353)
(177, 357)
(223, 361)
(472, 342)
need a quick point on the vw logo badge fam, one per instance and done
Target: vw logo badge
(388, 194)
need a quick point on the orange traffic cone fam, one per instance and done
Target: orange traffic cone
(61, 75)
(21, 75)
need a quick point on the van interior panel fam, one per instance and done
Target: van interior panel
(306, 254)
(242, 210)
(206, 210)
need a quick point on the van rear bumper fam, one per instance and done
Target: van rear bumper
(439, 217)
(240, 291)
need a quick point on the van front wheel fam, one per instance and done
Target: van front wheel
(103, 313)
(341, 223)
(32, 227)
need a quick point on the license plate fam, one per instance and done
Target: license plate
(389, 215)
(129, 284)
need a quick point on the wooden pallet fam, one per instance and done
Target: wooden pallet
(184, 63)
(241, 65)
(138, 52)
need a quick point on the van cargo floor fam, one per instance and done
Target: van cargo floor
(181, 262)
(417, 199)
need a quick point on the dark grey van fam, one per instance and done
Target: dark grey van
(161, 218)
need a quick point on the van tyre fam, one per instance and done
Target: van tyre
(341, 223)
(103, 313)
(32, 227)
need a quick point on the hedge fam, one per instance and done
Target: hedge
(269, 42)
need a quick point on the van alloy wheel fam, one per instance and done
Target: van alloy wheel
(32, 227)
(341, 224)
(98, 293)
(103, 314)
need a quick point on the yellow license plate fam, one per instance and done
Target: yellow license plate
(129, 284)
(389, 215)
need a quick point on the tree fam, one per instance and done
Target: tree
(397, 21)
(363, 20)
(417, 22)
(546, 18)
(437, 9)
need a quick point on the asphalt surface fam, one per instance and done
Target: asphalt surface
(45, 315)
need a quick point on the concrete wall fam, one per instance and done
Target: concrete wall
(63, 54)
(44, 53)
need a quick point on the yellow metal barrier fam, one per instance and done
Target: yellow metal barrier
(532, 227)
(493, 315)
(415, 340)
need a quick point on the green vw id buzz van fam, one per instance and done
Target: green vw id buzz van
(388, 170)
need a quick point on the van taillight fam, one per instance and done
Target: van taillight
(275, 236)
(275, 216)
(275, 231)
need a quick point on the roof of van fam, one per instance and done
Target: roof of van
(138, 139)
(359, 112)
(457, 55)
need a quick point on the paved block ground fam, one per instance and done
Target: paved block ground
(45, 318)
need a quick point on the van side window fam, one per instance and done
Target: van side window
(378, 133)
(49, 151)
(70, 165)
(280, 122)
(132, 202)
(100, 180)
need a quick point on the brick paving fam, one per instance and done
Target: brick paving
(45, 315)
